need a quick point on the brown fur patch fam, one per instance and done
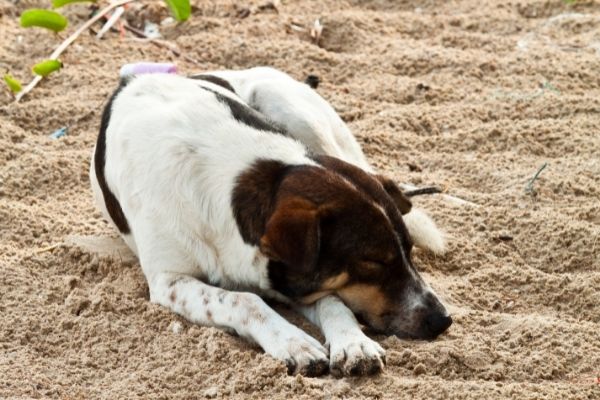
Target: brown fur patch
(311, 298)
(253, 198)
(402, 202)
(292, 234)
(366, 298)
(336, 282)
(368, 267)
(173, 296)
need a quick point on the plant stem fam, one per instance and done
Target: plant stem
(62, 47)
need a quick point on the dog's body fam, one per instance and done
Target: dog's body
(211, 195)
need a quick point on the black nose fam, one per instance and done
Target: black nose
(435, 324)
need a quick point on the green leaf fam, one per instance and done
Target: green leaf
(43, 18)
(180, 9)
(46, 67)
(13, 84)
(60, 3)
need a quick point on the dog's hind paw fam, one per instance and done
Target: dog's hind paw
(356, 356)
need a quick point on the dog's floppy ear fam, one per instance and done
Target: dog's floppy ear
(292, 234)
(402, 202)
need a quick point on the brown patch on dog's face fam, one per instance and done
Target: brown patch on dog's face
(336, 282)
(329, 286)
(366, 299)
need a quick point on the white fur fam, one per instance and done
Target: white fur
(306, 116)
(311, 120)
(424, 232)
(172, 168)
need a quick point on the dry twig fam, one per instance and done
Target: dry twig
(316, 31)
(529, 187)
(110, 21)
(63, 46)
(48, 248)
(423, 190)
(407, 187)
(159, 43)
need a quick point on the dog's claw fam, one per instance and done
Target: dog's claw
(291, 365)
(316, 368)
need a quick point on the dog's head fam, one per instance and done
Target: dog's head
(338, 230)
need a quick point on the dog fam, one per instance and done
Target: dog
(223, 207)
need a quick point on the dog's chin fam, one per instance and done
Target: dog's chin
(411, 336)
(400, 334)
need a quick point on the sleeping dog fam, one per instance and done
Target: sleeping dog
(223, 206)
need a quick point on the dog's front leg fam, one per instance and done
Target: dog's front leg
(245, 313)
(351, 351)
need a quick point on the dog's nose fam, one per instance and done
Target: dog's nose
(437, 323)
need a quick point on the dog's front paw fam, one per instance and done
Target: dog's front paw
(356, 355)
(301, 353)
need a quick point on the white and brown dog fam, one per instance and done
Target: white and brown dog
(237, 183)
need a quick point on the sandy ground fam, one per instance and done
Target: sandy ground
(473, 96)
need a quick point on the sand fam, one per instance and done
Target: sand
(468, 95)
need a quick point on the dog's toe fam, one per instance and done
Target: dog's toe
(301, 353)
(316, 367)
(356, 357)
(307, 366)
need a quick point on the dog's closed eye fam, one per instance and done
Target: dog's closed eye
(371, 266)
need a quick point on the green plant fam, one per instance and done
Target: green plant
(56, 22)
(44, 19)
(13, 84)
(46, 67)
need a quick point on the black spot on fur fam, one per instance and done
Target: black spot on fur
(214, 79)
(221, 296)
(247, 115)
(312, 81)
(112, 204)
(179, 279)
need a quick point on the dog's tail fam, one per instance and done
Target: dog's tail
(424, 232)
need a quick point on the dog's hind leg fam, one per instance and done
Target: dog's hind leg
(351, 351)
(245, 313)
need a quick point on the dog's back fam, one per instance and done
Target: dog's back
(306, 116)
